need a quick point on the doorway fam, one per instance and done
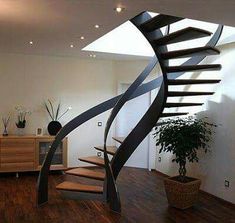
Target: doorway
(127, 118)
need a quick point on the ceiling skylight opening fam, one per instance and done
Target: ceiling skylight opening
(126, 39)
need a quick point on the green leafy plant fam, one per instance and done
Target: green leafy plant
(55, 113)
(184, 137)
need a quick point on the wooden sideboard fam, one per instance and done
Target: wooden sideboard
(26, 153)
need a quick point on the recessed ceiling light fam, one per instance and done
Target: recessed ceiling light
(119, 9)
(97, 26)
(31, 42)
(92, 55)
(82, 37)
(71, 45)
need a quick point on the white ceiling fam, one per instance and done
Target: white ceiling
(55, 24)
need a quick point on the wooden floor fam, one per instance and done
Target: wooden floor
(142, 195)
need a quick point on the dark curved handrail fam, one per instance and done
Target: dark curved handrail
(111, 188)
(110, 184)
(150, 118)
(42, 183)
(128, 93)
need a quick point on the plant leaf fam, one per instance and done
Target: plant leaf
(52, 110)
(48, 110)
(57, 112)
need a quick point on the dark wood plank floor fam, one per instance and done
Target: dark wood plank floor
(142, 195)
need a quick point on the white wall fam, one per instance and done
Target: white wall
(29, 80)
(126, 72)
(82, 83)
(126, 120)
(219, 165)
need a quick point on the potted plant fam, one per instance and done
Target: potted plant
(5, 121)
(183, 137)
(21, 119)
(54, 126)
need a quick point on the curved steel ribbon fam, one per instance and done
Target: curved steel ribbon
(112, 194)
(150, 118)
(42, 183)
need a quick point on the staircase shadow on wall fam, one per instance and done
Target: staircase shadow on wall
(220, 161)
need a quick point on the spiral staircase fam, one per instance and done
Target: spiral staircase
(151, 29)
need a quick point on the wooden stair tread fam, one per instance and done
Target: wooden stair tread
(185, 34)
(188, 68)
(77, 187)
(163, 115)
(93, 160)
(110, 149)
(191, 81)
(187, 93)
(179, 104)
(198, 51)
(119, 139)
(88, 173)
(159, 21)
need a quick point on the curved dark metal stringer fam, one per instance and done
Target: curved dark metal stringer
(148, 121)
(111, 189)
(110, 183)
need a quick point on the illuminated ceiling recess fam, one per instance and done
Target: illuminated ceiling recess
(126, 39)
(118, 42)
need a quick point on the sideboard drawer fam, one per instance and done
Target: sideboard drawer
(17, 154)
(11, 158)
(17, 143)
(17, 146)
(16, 150)
(8, 167)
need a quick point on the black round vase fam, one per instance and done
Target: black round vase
(54, 127)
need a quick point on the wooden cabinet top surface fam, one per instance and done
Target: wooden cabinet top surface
(27, 137)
